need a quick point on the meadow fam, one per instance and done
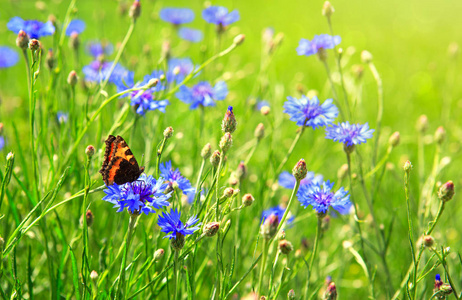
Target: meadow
(267, 150)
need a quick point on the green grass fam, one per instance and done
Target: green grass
(54, 257)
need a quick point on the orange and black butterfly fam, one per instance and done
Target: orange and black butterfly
(119, 165)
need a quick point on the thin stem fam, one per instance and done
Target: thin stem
(378, 125)
(410, 228)
(128, 239)
(263, 265)
(334, 92)
(159, 155)
(286, 213)
(315, 246)
(291, 149)
(175, 274)
(199, 177)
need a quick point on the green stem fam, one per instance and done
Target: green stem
(378, 125)
(334, 92)
(286, 213)
(175, 274)
(291, 149)
(263, 265)
(410, 228)
(128, 239)
(199, 177)
(159, 156)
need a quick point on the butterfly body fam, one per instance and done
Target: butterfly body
(119, 165)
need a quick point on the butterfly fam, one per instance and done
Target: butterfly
(119, 165)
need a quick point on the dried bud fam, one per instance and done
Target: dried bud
(72, 78)
(239, 39)
(407, 166)
(229, 121)
(366, 57)
(446, 191)
(153, 82)
(269, 226)
(331, 292)
(34, 45)
(90, 151)
(22, 40)
(259, 131)
(178, 242)
(422, 124)
(440, 135)
(94, 275)
(226, 142)
(241, 170)
(90, 217)
(135, 10)
(228, 192)
(342, 172)
(211, 228)
(285, 246)
(215, 158)
(291, 295)
(206, 151)
(168, 132)
(159, 254)
(428, 241)
(299, 171)
(394, 139)
(248, 199)
(327, 9)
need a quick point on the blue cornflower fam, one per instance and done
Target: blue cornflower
(2, 143)
(96, 48)
(287, 180)
(142, 195)
(278, 211)
(322, 41)
(75, 27)
(219, 15)
(184, 67)
(98, 71)
(261, 104)
(62, 117)
(143, 100)
(8, 57)
(35, 29)
(202, 94)
(171, 223)
(177, 16)
(308, 112)
(190, 34)
(321, 197)
(174, 178)
(349, 134)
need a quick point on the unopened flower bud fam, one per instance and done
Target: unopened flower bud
(153, 82)
(215, 158)
(206, 151)
(50, 59)
(291, 295)
(348, 148)
(90, 151)
(299, 171)
(239, 39)
(74, 41)
(440, 135)
(177, 243)
(331, 292)
(72, 78)
(446, 191)
(394, 139)
(265, 110)
(34, 45)
(10, 156)
(358, 71)
(135, 10)
(259, 131)
(1, 128)
(211, 228)
(159, 254)
(422, 124)
(428, 241)
(90, 217)
(407, 166)
(248, 199)
(241, 170)
(22, 40)
(229, 121)
(342, 172)
(228, 192)
(165, 50)
(176, 70)
(168, 132)
(94, 275)
(269, 226)
(327, 9)
(226, 142)
(446, 289)
(285, 246)
(366, 56)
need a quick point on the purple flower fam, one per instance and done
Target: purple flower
(189, 34)
(177, 16)
(184, 66)
(219, 15)
(322, 41)
(35, 29)
(349, 134)
(309, 112)
(278, 211)
(142, 195)
(202, 94)
(98, 71)
(174, 178)
(261, 104)
(8, 57)
(287, 180)
(75, 26)
(96, 48)
(321, 197)
(171, 223)
(2, 143)
(62, 117)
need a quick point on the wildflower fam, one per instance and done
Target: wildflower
(177, 16)
(62, 117)
(285, 246)
(394, 139)
(143, 195)
(215, 158)
(98, 71)
(220, 16)
(168, 132)
(211, 228)
(89, 217)
(202, 94)
(206, 151)
(94, 275)
(317, 44)
(97, 49)
(321, 197)
(171, 223)
(422, 124)
(259, 132)
(261, 104)
(331, 292)
(349, 134)
(22, 40)
(229, 121)
(446, 191)
(190, 34)
(226, 142)
(247, 199)
(34, 45)
(90, 151)
(75, 27)
(440, 135)
(135, 10)
(34, 29)
(308, 112)
(276, 210)
(50, 59)
(327, 9)
(72, 78)
(159, 254)
(269, 226)
(8, 57)
(178, 69)
(174, 178)
(291, 295)
(2, 143)
(299, 171)
(287, 180)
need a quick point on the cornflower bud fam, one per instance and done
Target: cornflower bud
(428, 241)
(153, 82)
(394, 139)
(342, 172)
(74, 41)
(440, 135)
(226, 142)
(50, 60)
(422, 124)
(248, 199)
(229, 121)
(94, 275)
(72, 78)
(90, 217)
(135, 10)
(299, 171)
(285, 246)
(215, 158)
(165, 50)
(1, 128)
(159, 254)
(331, 292)
(34, 45)
(259, 131)
(407, 166)
(446, 191)
(211, 228)
(357, 71)
(348, 148)
(176, 70)
(168, 132)
(269, 226)
(438, 283)
(22, 40)
(206, 151)
(228, 192)
(10, 156)
(265, 110)
(241, 170)
(366, 56)
(178, 242)
(90, 151)
(327, 9)
(291, 295)
(239, 39)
